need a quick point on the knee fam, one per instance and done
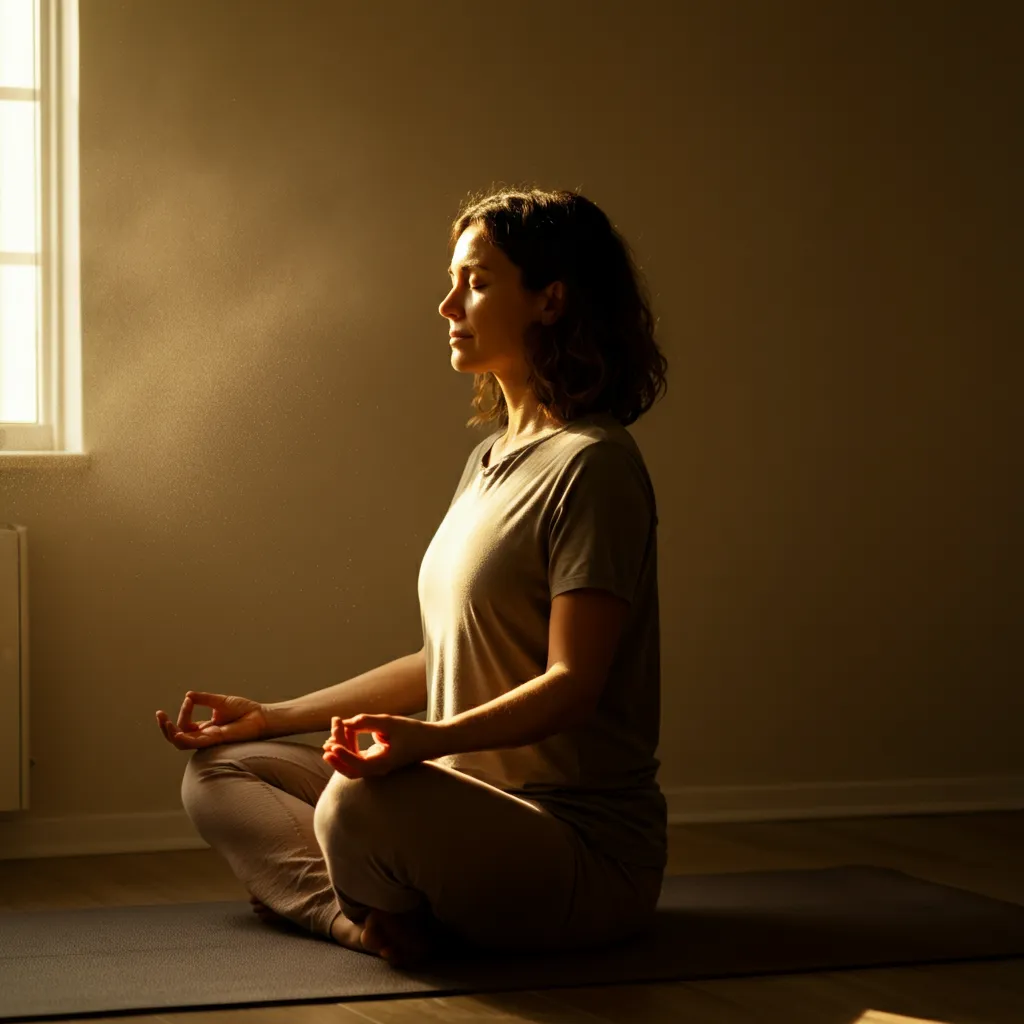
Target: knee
(357, 807)
(342, 800)
(190, 778)
(200, 765)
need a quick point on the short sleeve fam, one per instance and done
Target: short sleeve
(600, 528)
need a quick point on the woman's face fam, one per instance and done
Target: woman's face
(489, 304)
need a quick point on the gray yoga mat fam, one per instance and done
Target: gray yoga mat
(189, 956)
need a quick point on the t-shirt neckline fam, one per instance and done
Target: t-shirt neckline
(515, 451)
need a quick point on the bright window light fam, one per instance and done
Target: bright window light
(19, 175)
(20, 210)
(19, 43)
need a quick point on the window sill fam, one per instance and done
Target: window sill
(30, 460)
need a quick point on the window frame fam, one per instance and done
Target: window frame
(58, 426)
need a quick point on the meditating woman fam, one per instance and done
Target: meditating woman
(524, 812)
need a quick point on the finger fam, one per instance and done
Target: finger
(168, 728)
(339, 732)
(188, 741)
(344, 754)
(196, 741)
(200, 697)
(354, 769)
(362, 762)
(336, 764)
(178, 738)
(185, 714)
(356, 763)
(170, 732)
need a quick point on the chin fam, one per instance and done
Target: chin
(460, 360)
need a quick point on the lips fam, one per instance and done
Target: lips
(453, 334)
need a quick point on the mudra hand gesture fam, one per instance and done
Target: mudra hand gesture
(234, 719)
(398, 741)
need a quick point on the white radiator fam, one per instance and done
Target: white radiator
(14, 761)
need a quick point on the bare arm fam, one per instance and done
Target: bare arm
(530, 712)
(396, 688)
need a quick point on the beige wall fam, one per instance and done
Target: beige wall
(820, 196)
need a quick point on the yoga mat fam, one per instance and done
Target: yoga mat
(189, 956)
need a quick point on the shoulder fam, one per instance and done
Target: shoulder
(605, 442)
(602, 458)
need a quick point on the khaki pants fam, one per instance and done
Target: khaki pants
(494, 870)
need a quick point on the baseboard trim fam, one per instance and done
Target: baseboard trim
(23, 835)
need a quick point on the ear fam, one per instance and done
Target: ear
(554, 303)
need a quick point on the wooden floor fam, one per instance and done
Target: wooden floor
(981, 852)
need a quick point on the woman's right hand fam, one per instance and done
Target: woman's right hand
(234, 719)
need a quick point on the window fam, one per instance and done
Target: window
(40, 317)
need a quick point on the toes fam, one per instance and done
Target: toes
(373, 936)
(400, 942)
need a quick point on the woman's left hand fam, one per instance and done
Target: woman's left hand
(398, 741)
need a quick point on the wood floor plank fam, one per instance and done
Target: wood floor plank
(658, 1003)
(817, 840)
(1005, 823)
(1007, 975)
(846, 995)
(148, 1018)
(297, 1013)
(958, 992)
(795, 999)
(955, 848)
(489, 1008)
(697, 849)
(959, 841)
(877, 1017)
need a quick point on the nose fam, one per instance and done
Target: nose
(448, 310)
(450, 313)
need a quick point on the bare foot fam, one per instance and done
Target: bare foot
(268, 916)
(346, 933)
(403, 940)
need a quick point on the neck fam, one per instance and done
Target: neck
(527, 426)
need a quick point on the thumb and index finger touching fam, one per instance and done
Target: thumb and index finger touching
(187, 734)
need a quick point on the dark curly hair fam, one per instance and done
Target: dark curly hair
(600, 355)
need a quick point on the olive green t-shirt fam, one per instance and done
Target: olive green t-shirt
(570, 509)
